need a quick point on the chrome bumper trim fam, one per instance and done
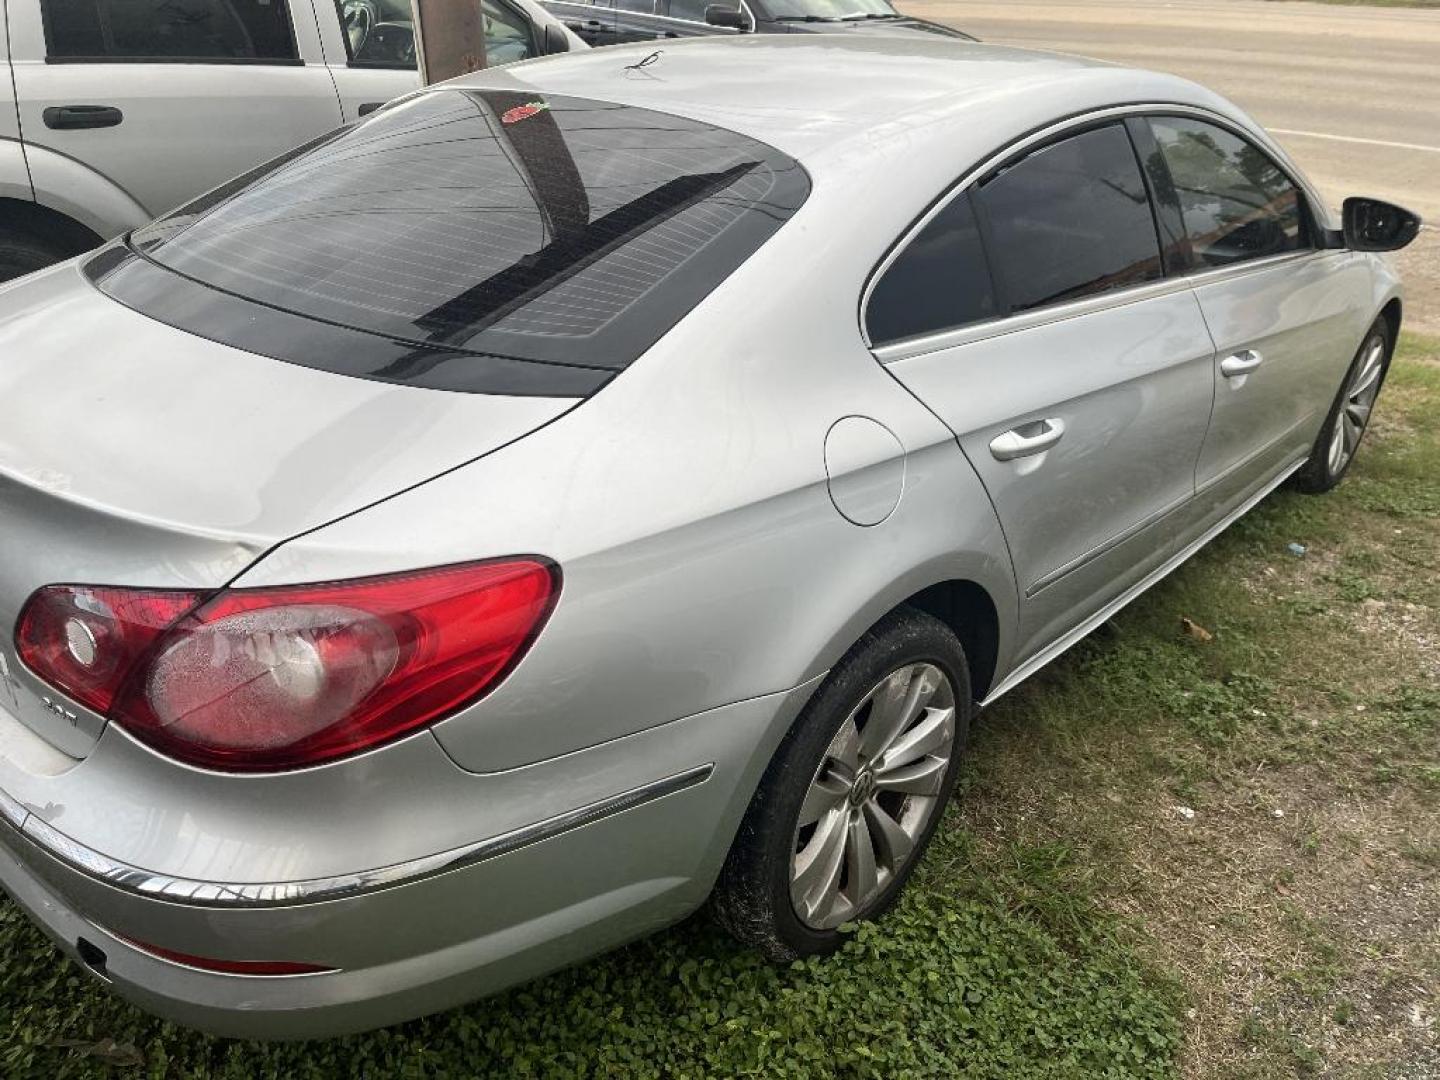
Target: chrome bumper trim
(315, 890)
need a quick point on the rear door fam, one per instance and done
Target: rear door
(369, 46)
(168, 99)
(1285, 317)
(1033, 315)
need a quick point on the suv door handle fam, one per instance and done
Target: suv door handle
(1241, 363)
(368, 107)
(67, 117)
(1033, 438)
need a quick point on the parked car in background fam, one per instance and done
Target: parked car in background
(575, 490)
(112, 113)
(615, 22)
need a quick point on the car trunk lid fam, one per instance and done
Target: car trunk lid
(134, 454)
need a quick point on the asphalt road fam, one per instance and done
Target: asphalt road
(1352, 92)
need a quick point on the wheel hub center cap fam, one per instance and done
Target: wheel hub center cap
(863, 788)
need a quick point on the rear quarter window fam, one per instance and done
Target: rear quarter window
(543, 231)
(940, 281)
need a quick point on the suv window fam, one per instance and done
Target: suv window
(694, 10)
(1237, 203)
(940, 281)
(1069, 220)
(202, 30)
(483, 240)
(381, 33)
(507, 34)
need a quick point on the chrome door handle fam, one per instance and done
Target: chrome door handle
(1033, 438)
(1241, 363)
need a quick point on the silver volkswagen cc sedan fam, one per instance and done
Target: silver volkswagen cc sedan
(584, 489)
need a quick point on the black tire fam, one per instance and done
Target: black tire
(1317, 475)
(23, 253)
(752, 898)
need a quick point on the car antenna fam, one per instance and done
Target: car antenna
(644, 62)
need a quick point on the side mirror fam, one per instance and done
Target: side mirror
(1372, 225)
(724, 15)
(555, 40)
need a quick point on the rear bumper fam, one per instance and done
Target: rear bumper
(415, 949)
(408, 939)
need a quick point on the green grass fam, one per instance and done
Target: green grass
(1069, 920)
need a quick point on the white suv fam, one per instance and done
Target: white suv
(114, 111)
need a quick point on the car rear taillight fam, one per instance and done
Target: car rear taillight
(83, 640)
(267, 679)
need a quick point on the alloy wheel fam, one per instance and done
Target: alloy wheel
(1356, 405)
(873, 796)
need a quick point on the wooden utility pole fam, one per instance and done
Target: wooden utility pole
(449, 38)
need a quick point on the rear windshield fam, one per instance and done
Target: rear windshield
(533, 229)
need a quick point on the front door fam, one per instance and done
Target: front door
(169, 100)
(1081, 392)
(369, 46)
(1285, 317)
(592, 20)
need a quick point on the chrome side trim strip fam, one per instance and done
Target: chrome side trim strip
(964, 335)
(999, 326)
(1071, 637)
(314, 890)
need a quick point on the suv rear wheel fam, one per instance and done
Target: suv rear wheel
(24, 253)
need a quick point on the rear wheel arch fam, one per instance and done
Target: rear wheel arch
(963, 604)
(967, 608)
(76, 191)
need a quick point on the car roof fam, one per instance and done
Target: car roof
(814, 96)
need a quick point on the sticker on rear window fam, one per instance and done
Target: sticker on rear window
(523, 112)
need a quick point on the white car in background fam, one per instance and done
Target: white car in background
(115, 111)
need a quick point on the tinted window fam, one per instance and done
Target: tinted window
(213, 30)
(1069, 220)
(1237, 203)
(541, 229)
(507, 34)
(380, 32)
(938, 282)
